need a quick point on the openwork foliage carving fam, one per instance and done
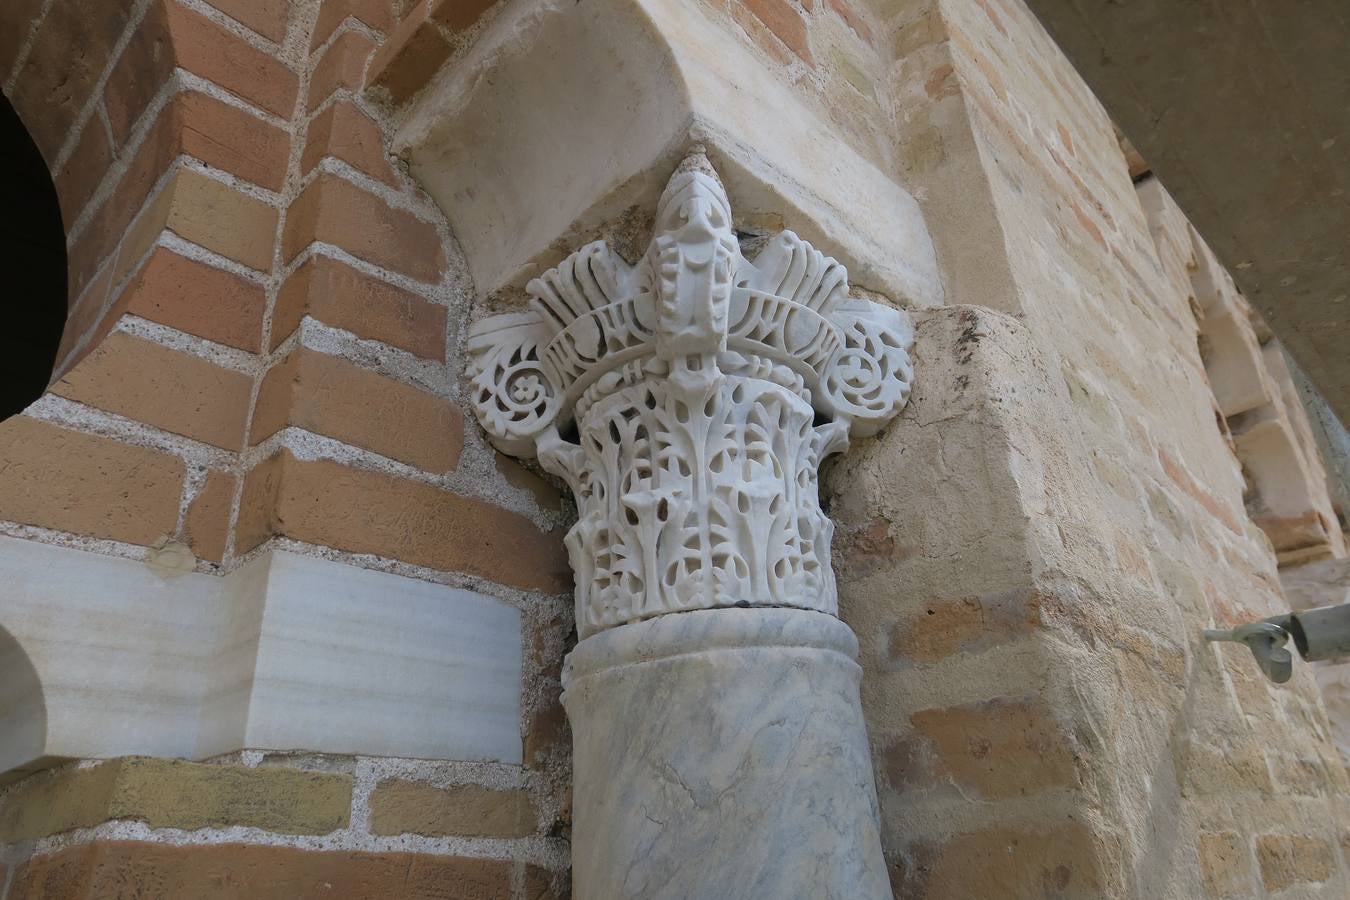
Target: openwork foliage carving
(706, 389)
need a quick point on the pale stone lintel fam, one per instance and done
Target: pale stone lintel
(566, 114)
(102, 657)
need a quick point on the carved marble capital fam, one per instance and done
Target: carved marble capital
(704, 389)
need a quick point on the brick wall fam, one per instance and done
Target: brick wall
(263, 350)
(1032, 569)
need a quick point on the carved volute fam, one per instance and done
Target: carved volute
(706, 388)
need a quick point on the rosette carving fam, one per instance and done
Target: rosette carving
(706, 389)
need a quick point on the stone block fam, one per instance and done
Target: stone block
(999, 748)
(1055, 859)
(104, 657)
(1225, 864)
(1290, 859)
(54, 85)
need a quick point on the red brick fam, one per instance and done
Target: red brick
(338, 295)
(963, 625)
(117, 870)
(193, 123)
(204, 48)
(101, 236)
(331, 396)
(162, 387)
(209, 213)
(408, 59)
(230, 139)
(208, 517)
(198, 299)
(458, 15)
(329, 504)
(84, 171)
(1064, 861)
(378, 14)
(853, 19)
(266, 17)
(71, 481)
(83, 315)
(55, 83)
(19, 16)
(337, 212)
(785, 22)
(344, 132)
(761, 35)
(998, 748)
(343, 65)
(143, 68)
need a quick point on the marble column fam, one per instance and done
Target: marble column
(720, 749)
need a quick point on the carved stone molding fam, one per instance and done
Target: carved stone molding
(705, 389)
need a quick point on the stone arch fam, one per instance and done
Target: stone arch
(79, 109)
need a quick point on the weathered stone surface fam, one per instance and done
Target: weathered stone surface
(722, 753)
(1290, 859)
(468, 810)
(1226, 864)
(54, 84)
(1000, 748)
(1054, 860)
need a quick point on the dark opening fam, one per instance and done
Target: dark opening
(33, 263)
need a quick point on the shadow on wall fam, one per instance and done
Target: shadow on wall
(23, 709)
(33, 256)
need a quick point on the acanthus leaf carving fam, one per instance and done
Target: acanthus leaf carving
(706, 390)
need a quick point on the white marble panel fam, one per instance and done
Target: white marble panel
(101, 656)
